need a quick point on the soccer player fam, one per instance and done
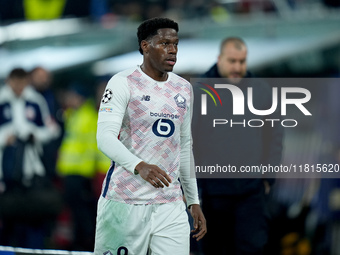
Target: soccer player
(144, 126)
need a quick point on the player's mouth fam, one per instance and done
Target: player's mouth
(171, 61)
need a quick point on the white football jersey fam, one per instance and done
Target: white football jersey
(141, 119)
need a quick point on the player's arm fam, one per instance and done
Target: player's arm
(200, 225)
(110, 117)
(111, 113)
(189, 186)
(188, 179)
(109, 144)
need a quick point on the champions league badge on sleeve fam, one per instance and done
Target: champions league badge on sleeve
(180, 101)
(107, 96)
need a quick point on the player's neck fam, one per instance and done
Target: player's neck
(154, 73)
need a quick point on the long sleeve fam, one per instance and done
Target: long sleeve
(187, 166)
(111, 114)
(108, 143)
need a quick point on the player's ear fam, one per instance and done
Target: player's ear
(144, 45)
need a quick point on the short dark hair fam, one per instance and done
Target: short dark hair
(238, 42)
(17, 73)
(150, 27)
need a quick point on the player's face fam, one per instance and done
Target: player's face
(162, 50)
(232, 63)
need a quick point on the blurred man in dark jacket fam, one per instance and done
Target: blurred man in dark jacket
(29, 202)
(235, 207)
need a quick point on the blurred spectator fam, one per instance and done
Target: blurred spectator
(43, 9)
(28, 200)
(219, 13)
(78, 163)
(237, 206)
(41, 80)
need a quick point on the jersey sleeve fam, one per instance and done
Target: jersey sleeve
(111, 113)
(187, 167)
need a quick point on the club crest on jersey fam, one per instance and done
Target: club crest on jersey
(180, 101)
(107, 96)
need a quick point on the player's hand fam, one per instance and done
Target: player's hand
(153, 174)
(200, 225)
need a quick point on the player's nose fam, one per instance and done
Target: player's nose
(172, 48)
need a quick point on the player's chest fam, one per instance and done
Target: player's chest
(156, 102)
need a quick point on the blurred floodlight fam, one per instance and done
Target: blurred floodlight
(30, 30)
(53, 58)
(196, 56)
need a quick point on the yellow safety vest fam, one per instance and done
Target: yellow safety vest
(78, 153)
(43, 9)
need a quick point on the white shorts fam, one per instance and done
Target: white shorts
(124, 229)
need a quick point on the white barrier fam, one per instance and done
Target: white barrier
(6, 250)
